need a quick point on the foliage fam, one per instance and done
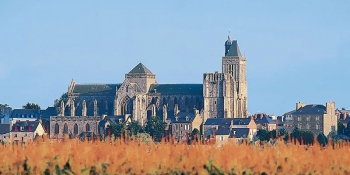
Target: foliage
(322, 139)
(118, 129)
(263, 135)
(341, 128)
(134, 128)
(155, 127)
(303, 137)
(347, 130)
(134, 157)
(31, 106)
(64, 98)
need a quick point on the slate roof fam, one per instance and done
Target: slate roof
(112, 119)
(17, 113)
(93, 88)
(4, 128)
(264, 119)
(182, 117)
(177, 88)
(234, 49)
(25, 125)
(213, 121)
(50, 111)
(239, 132)
(140, 69)
(223, 131)
(311, 109)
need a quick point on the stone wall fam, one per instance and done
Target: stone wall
(80, 121)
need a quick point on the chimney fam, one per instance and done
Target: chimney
(176, 109)
(299, 105)
(330, 108)
(11, 124)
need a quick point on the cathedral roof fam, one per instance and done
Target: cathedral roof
(93, 88)
(140, 69)
(234, 50)
(177, 88)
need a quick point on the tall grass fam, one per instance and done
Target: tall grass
(134, 157)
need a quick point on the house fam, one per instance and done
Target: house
(210, 126)
(233, 130)
(108, 120)
(316, 118)
(5, 132)
(183, 123)
(263, 121)
(25, 115)
(282, 123)
(24, 131)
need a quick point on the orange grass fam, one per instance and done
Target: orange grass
(138, 158)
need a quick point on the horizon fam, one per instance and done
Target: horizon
(296, 52)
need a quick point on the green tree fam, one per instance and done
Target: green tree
(296, 135)
(347, 130)
(155, 127)
(322, 139)
(64, 98)
(263, 135)
(134, 128)
(308, 137)
(117, 129)
(195, 134)
(341, 128)
(31, 106)
(273, 134)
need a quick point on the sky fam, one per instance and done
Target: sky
(296, 51)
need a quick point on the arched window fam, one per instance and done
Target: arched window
(57, 129)
(76, 129)
(87, 127)
(65, 129)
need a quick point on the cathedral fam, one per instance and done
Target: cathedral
(140, 96)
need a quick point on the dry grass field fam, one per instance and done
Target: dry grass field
(75, 157)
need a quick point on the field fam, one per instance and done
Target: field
(132, 157)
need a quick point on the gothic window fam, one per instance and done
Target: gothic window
(127, 89)
(87, 127)
(186, 101)
(57, 129)
(76, 129)
(65, 129)
(175, 100)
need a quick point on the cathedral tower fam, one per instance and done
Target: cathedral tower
(225, 94)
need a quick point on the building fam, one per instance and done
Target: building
(24, 131)
(316, 118)
(263, 121)
(73, 126)
(183, 123)
(233, 130)
(25, 115)
(5, 113)
(222, 95)
(5, 132)
(225, 94)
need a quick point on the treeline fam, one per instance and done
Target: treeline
(296, 136)
(154, 128)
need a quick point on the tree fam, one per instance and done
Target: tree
(117, 129)
(155, 127)
(347, 130)
(134, 128)
(195, 134)
(322, 139)
(263, 135)
(341, 128)
(64, 98)
(31, 106)
(273, 134)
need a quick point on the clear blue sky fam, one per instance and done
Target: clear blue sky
(296, 51)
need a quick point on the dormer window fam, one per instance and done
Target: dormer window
(187, 118)
(177, 118)
(120, 120)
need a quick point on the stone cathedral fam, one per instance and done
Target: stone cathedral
(222, 95)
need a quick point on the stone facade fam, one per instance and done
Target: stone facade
(316, 118)
(225, 94)
(69, 125)
(222, 95)
(26, 131)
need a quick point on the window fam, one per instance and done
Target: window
(87, 127)
(176, 127)
(298, 118)
(180, 132)
(75, 129)
(299, 125)
(180, 125)
(57, 129)
(65, 129)
(317, 118)
(222, 138)
(15, 135)
(317, 126)
(307, 126)
(215, 102)
(308, 118)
